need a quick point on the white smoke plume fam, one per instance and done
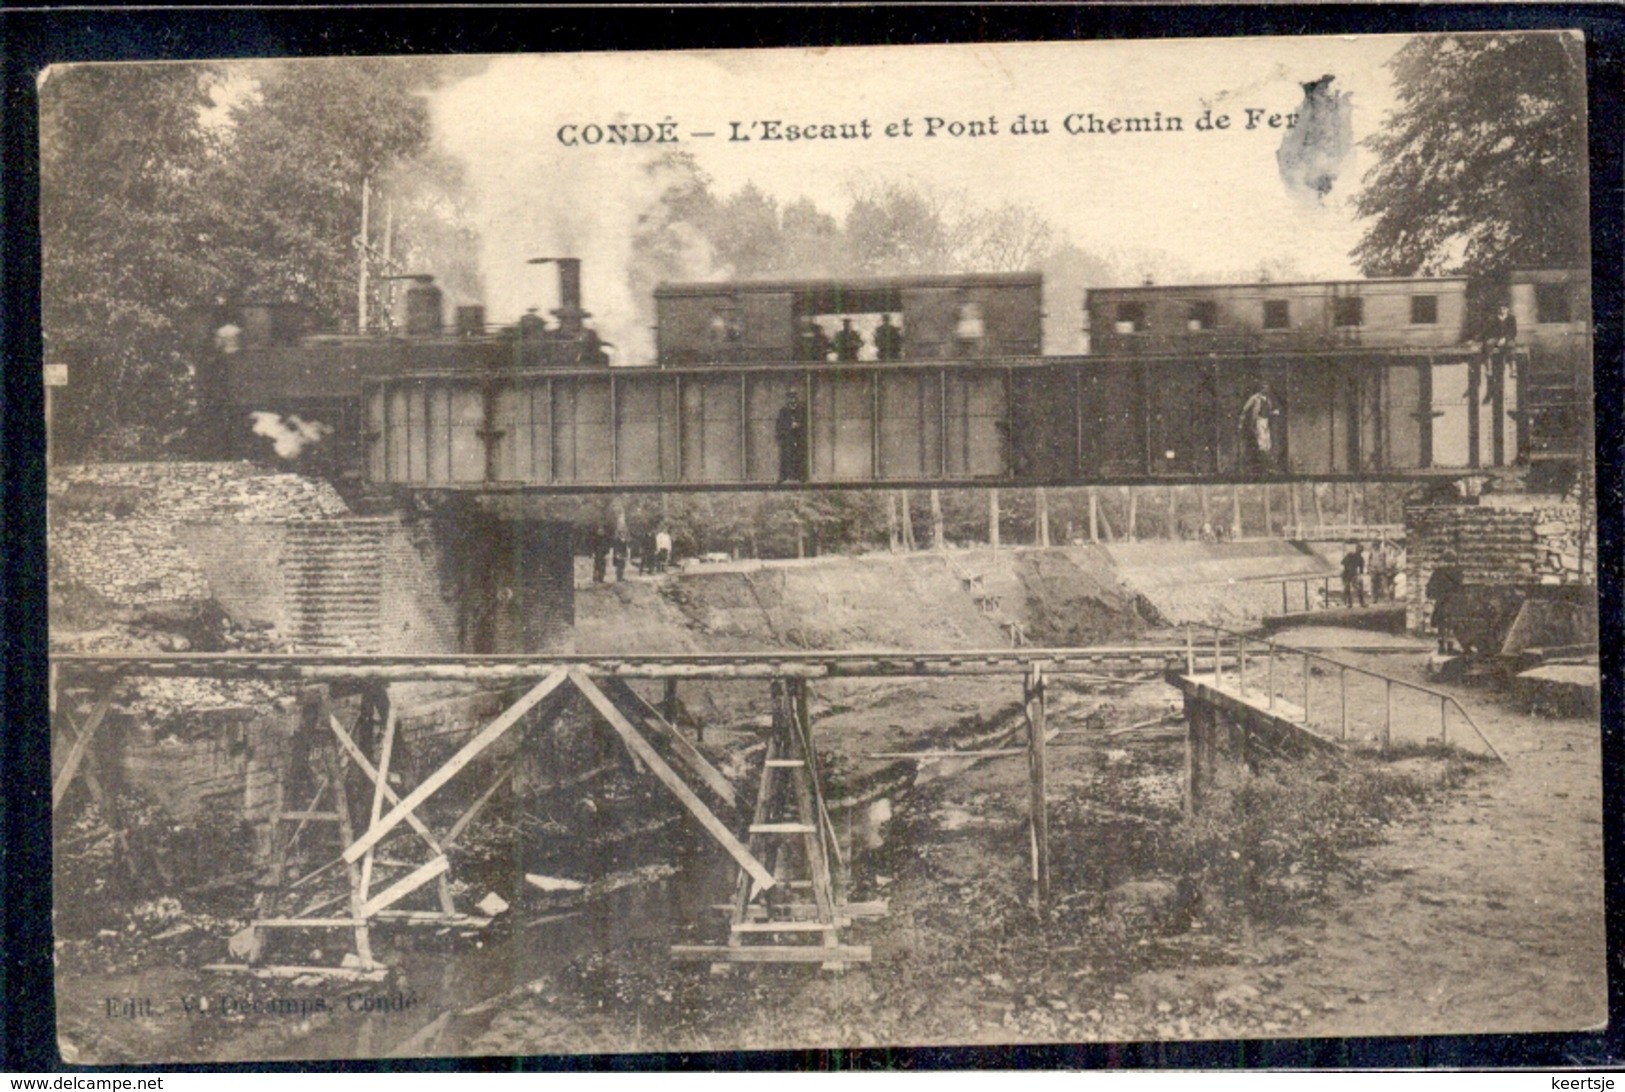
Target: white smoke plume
(534, 198)
(289, 435)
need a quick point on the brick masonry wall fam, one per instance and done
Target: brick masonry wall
(1502, 541)
(417, 606)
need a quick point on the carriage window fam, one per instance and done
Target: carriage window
(1131, 318)
(1204, 315)
(1277, 314)
(1551, 303)
(1348, 311)
(1424, 310)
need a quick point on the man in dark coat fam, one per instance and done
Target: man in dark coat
(888, 340)
(1443, 587)
(848, 343)
(1353, 575)
(791, 431)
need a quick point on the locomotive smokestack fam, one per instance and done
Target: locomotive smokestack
(569, 312)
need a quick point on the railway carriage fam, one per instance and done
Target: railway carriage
(942, 380)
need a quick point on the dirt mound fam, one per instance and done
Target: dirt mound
(1073, 597)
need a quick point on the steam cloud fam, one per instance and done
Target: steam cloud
(289, 435)
(531, 200)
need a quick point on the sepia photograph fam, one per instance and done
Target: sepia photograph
(972, 545)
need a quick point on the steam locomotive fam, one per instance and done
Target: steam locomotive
(935, 380)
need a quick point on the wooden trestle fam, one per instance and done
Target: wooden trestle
(790, 869)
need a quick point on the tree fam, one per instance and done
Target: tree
(123, 150)
(301, 149)
(1482, 168)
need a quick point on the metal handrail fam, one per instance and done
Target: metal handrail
(1343, 668)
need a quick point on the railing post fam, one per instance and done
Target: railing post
(1343, 701)
(1442, 712)
(1241, 665)
(1190, 651)
(1218, 672)
(1270, 676)
(1283, 597)
(1387, 713)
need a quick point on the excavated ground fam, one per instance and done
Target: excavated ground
(1429, 892)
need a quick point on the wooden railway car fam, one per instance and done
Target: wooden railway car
(935, 318)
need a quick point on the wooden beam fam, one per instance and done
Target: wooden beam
(403, 887)
(453, 765)
(479, 803)
(668, 777)
(371, 771)
(76, 752)
(686, 752)
(386, 752)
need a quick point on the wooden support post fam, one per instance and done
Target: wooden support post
(1269, 682)
(1041, 516)
(1269, 512)
(1297, 512)
(1306, 689)
(1094, 516)
(385, 752)
(668, 777)
(1387, 713)
(1195, 787)
(938, 542)
(1133, 512)
(469, 751)
(1443, 713)
(341, 804)
(1033, 703)
(1173, 512)
(1235, 512)
(909, 545)
(993, 518)
(1343, 702)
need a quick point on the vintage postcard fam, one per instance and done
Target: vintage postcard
(859, 547)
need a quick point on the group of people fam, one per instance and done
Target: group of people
(614, 549)
(847, 344)
(1383, 565)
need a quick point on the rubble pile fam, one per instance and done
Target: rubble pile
(111, 524)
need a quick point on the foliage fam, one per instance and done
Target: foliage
(1483, 166)
(123, 247)
(159, 201)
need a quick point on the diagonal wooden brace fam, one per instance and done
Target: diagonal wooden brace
(686, 752)
(470, 750)
(76, 753)
(668, 777)
(403, 887)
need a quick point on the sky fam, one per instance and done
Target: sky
(1209, 202)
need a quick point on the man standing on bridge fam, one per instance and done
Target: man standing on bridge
(791, 431)
(1258, 416)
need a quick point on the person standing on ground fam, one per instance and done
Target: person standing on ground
(1353, 571)
(1443, 587)
(1382, 571)
(662, 549)
(619, 554)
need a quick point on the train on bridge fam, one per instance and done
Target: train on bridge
(934, 381)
